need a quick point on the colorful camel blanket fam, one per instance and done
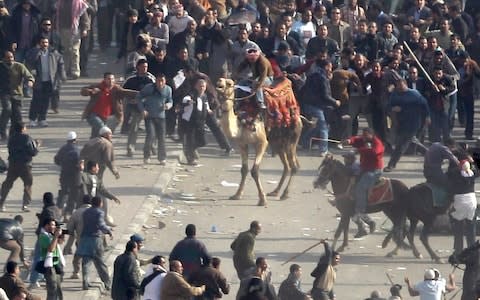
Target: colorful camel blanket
(282, 107)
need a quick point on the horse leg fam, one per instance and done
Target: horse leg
(338, 232)
(387, 239)
(243, 171)
(424, 238)
(283, 158)
(293, 167)
(411, 237)
(260, 151)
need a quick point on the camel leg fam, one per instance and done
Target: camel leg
(283, 158)
(424, 238)
(293, 168)
(411, 237)
(260, 151)
(244, 172)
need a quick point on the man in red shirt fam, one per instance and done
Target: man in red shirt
(105, 107)
(371, 151)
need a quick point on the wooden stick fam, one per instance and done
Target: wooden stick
(303, 252)
(419, 64)
(389, 278)
(326, 140)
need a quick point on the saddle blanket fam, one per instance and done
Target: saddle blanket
(439, 195)
(282, 107)
(381, 192)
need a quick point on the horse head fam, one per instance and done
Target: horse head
(325, 172)
(467, 256)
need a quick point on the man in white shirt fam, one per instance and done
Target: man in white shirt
(432, 287)
(152, 282)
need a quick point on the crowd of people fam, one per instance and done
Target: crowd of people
(410, 68)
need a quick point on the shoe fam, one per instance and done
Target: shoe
(163, 162)
(323, 154)
(192, 163)
(32, 124)
(146, 161)
(388, 169)
(362, 232)
(43, 123)
(372, 225)
(34, 285)
(262, 105)
(74, 276)
(25, 208)
(55, 110)
(72, 77)
(228, 152)
(2, 208)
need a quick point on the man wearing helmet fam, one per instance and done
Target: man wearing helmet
(257, 71)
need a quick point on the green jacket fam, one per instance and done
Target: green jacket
(12, 77)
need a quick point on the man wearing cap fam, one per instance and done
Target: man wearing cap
(431, 288)
(256, 64)
(68, 158)
(105, 107)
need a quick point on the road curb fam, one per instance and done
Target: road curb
(142, 215)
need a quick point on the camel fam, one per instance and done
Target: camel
(283, 141)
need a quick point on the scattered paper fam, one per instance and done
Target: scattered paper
(228, 184)
(272, 182)
(191, 202)
(236, 166)
(176, 221)
(306, 234)
(401, 268)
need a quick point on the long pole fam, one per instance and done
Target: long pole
(303, 252)
(419, 64)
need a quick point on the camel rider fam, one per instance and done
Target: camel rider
(371, 151)
(434, 157)
(255, 71)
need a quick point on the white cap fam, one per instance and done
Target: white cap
(429, 274)
(72, 135)
(104, 130)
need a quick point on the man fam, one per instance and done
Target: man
(152, 282)
(434, 157)
(239, 46)
(50, 71)
(190, 251)
(152, 102)
(132, 115)
(125, 276)
(11, 239)
(419, 16)
(100, 149)
(25, 23)
(386, 39)
(260, 73)
(73, 23)
(50, 253)
(68, 158)
(90, 246)
(175, 287)
(325, 274)
(11, 282)
(12, 75)
(214, 281)
(21, 150)
(290, 287)
(339, 30)
(317, 97)
(242, 246)
(262, 277)
(431, 287)
(92, 185)
(105, 107)
(410, 110)
(371, 150)
(321, 41)
(75, 227)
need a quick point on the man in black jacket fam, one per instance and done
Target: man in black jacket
(68, 158)
(21, 150)
(316, 98)
(11, 238)
(125, 276)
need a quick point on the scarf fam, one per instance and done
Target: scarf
(79, 7)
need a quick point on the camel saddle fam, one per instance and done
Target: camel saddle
(381, 192)
(282, 107)
(439, 194)
(247, 110)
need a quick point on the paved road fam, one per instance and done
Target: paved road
(288, 226)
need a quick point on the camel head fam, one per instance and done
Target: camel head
(226, 89)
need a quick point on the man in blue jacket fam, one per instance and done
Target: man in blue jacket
(153, 100)
(411, 111)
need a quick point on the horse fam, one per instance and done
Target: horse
(334, 171)
(470, 257)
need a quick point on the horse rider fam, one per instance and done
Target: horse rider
(434, 157)
(371, 150)
(353, 167)
(256, 72)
